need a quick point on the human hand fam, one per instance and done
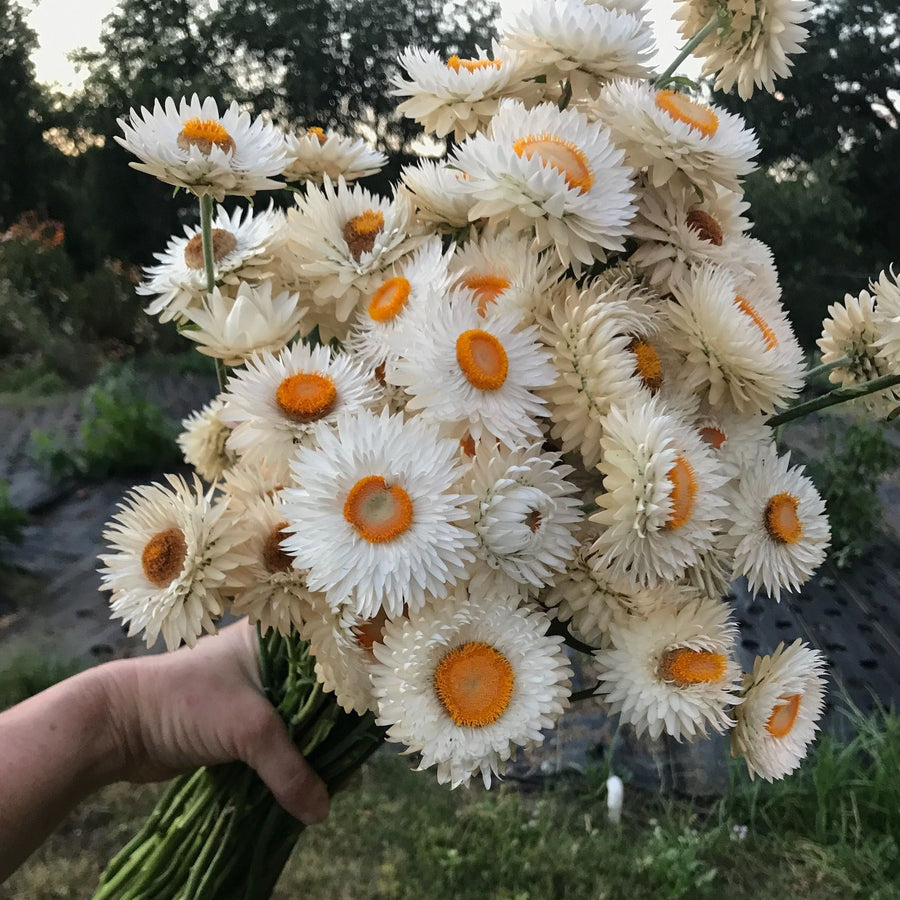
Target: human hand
(204, 706)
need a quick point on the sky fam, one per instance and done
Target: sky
(60, 31)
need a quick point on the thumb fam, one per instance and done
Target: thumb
(265, 746)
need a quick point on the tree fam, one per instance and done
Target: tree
(23, 154)
(830, 144)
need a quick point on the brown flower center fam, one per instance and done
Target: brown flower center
(163, 557)
(275, 559)
(706, 226)
(361, 231)
(223, 242)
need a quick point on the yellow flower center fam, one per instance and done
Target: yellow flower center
(748, 310)
(163, 557)
(486, 288)
(275, 559)
(472, 65)
(223, 242)
(559, 154)
(647, 364)
(713, 436)
(306, 396)
(685, 667)
(378, 511)
(474, 683)
(482, 359)
(317, 133)
(782, 522)
(360, 232)
(204, 134)
(681, 108)
(684, 490)
(389, 299)
(784, 715)
(706, 226)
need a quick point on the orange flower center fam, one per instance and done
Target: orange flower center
(684, 490)
(468, 445)
(203, 134)
(647, 364)
(472, 65)
(274, 557)
(564, 156)
(306, 396)
(378, 511)
(706, 226)
(782, 522)
(482, 359)
(486, 288)
(474, 683)
(685, 667)
(713, 436)
(389, 299)
(681, 108)
(317, 133)
(360, 232)
(163, 557)
(223, 242)
(784, 715)
(748, 310)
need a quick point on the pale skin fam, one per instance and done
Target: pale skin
(142, 720)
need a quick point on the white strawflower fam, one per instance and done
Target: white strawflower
(736, 343)
(202, 441)
(315, 155)
(853, 332)
(504, 273)
(677, 139)
(459, 95)
(473, 374)
(678, 230)
(413, 288)
(524, 514)
(780, 532)
(673, 670)
(751, 42)
(662, 494)
(267, 588)
(374, 517)
(342, 643)
(193, 147)
(555, 172)
(886, 318)
(242, 248)
(466, 684)
(602, 344)
(274, 402)
(588, 43)
(436, 192)
(783, 700)
(171, 550)
(235, 328)
(343, 238)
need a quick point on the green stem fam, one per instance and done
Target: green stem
(206, 216)
(585, 694)
(833, 398)
(825, 367)
(566, 96)
(663, 79)
(558, 627)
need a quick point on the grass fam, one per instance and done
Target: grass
(829, 831)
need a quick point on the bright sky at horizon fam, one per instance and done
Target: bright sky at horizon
(60, 32)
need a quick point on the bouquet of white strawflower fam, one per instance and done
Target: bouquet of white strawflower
(525, 401)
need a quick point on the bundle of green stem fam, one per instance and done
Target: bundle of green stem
(219, 833)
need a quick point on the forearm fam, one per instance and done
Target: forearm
(55, 749)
